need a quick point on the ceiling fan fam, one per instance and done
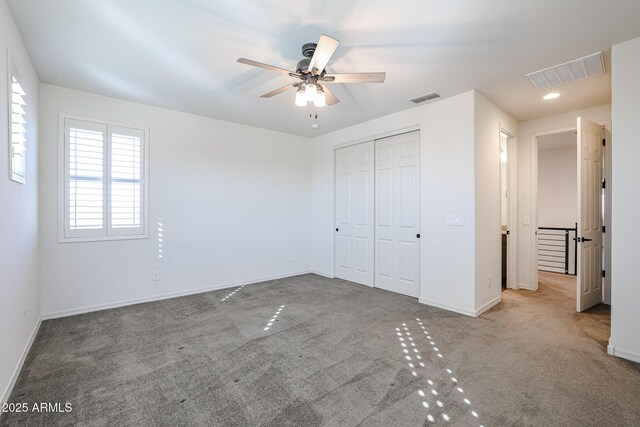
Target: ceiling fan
(313, 76)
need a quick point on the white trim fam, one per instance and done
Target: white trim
(488, 306)
(102, 238)
(23, 357)
(624, 354)
(460, 310)
(447, 307)
(512, 221)
(610, 348)
(606, 237)
(377, 136)
(327, 275)
(123, 303)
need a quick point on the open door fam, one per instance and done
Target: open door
(589, 271)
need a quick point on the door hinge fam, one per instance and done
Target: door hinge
(604, 273)
(604, 142)
(604, 228)
(604, 183)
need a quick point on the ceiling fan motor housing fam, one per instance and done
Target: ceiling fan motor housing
(308, 49)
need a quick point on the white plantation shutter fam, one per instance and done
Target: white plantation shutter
(17, 124)
(85, 154)
(104, 181)
(126, 180)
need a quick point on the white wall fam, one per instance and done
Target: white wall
(448, 186)
(19, 272)
(489, 120)
(233, 200)
(557, 187)
(527, 188)
(625, 297)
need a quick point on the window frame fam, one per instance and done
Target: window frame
(13, 70)
(107, 233)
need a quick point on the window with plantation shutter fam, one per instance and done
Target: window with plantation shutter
(104, 181)
(17, 126)
(126, 180)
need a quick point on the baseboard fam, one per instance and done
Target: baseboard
(523, 286)
(447, 307)
(23, 357)
(625, 354)
(328, 276)
(116, 304)
(488, 306)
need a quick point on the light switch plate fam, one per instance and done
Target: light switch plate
(455, 220)
(526, 220)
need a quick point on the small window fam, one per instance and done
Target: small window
(104, 183)
(17, 126)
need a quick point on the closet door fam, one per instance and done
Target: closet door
(354, 213)
(397, 215)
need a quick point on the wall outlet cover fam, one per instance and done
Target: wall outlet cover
(455, 220)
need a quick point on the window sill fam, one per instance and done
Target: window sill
(101, 238)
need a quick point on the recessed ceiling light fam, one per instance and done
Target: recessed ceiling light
(552, 95)
(315, 125)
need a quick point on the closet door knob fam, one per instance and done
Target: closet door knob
(337, 229)
(418, 235)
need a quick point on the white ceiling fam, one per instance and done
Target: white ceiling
(181, 54)
(558, 140)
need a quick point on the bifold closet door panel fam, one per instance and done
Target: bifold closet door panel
(354, 195)
(397, 215)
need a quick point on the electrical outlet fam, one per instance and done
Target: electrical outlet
(156, 276)
(294, 257)
(490, 280)
(26, 315)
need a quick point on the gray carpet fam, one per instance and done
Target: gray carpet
(332, 356)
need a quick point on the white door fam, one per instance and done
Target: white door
(354, 213)
(589, 280)
(397, 214)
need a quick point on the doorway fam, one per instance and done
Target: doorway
(568, 227)
(557, 211)
(508, 209)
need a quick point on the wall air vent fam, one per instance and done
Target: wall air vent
(427, 97)
(568, 72)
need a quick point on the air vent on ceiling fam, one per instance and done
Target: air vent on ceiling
(568, 72)
(427, 97)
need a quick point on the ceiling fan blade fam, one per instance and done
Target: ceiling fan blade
(279, 90)
(355, 78)
(324, 50)
(329, 96)
(266, 66)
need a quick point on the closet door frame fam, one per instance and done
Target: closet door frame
(373, 138)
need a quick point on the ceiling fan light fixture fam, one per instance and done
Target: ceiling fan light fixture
(321, 99)
(311, 92)
(313, 82)
(301, 97)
